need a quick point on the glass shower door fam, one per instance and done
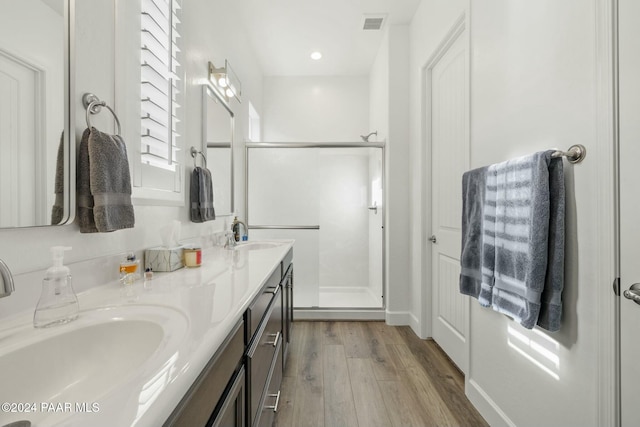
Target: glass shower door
(329, 199)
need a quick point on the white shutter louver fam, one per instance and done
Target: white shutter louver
(159, 83)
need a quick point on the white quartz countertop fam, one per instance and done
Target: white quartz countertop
(209, 300)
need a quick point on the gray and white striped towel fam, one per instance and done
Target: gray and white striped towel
(523, 239)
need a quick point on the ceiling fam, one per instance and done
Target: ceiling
(285, 32)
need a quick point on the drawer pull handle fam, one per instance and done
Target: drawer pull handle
(275, 341)
(274, 407)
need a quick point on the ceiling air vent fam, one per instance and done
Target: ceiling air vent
(373, 22)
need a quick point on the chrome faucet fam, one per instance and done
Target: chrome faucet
(235, 228)
(6, 280)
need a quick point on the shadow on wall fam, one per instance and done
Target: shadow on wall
(568, 333)
(539, 346)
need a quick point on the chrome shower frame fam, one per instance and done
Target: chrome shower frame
(319, 312)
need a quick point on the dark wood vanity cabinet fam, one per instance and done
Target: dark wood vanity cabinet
(218, 388)
(287, 304)
(264, 349)
(240, 386)
(232, 412)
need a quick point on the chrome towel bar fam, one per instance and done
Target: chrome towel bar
(575, 154)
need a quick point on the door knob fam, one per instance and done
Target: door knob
(633, 293)
(374, 208)
(433, 239)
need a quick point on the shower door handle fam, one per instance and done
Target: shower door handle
(374, 208)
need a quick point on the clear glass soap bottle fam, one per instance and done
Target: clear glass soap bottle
(129, 269)
(58, 303)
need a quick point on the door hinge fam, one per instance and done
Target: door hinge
(616, 286)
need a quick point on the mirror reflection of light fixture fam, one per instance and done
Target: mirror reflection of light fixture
(225, 81)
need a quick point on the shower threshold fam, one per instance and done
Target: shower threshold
(319, 313)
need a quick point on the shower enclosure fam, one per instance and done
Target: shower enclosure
(329, 198)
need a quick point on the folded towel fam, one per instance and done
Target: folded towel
(517, 194)
(201, 195)
(473, 183)
(83, 187)
(57, 210)
(551, 300)
(110, 182)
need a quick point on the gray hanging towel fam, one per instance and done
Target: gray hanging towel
(519, 191)
(84, 198)
(473, 183)
(551, 300)
(57, 210)
(110, 182)
(201, 195)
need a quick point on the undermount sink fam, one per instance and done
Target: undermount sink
(85, 359)
(257, 246)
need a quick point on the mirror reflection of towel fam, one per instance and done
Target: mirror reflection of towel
(57, 211)
(201, 196)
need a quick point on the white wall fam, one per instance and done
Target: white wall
(389, 115)
(315, 109)
(533, 87)
(209, 34)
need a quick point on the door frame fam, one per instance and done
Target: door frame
(41, 192)
(460, 28)
(607, 192)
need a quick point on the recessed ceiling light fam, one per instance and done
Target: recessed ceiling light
(316, 55)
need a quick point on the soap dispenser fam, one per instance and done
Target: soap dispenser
(58, 303)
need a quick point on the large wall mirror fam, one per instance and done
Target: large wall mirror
(217, 134)
(36, 159)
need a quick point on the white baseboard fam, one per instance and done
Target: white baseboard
(414, 323)
(338, 314)
(398, 318)
(486, 406)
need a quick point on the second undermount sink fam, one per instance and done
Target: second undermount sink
(257, 245)
(85, 359)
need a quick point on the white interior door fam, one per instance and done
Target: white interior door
(629, 51)
(449, 88)
(18, 124)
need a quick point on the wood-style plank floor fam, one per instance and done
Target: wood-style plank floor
(367, 374)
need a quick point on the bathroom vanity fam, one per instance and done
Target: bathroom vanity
(195, 347)
(240, 386)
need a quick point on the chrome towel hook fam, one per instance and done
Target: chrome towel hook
(93, 105)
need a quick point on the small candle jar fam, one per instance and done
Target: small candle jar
(192, 257)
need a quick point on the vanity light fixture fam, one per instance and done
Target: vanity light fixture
(225, 81)
(316, 55)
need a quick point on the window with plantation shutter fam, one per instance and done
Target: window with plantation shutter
(160, 83)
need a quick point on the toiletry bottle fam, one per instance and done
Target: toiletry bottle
(129, 269)
(58, 302)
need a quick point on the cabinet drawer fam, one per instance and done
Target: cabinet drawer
(272, 398)
(259, 306)
(232, 409)
(262, 353)
(196, 407)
